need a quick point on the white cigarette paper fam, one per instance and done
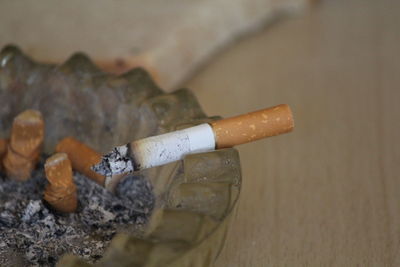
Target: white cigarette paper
(162, 149)
(155, 151)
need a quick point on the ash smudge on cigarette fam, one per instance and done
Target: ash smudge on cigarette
(32, 234)
(115, 162)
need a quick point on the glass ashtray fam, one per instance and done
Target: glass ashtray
(194, 198)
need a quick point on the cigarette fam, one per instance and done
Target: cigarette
(60, 193)
(24, 148)
(162, 149)
(82, 157)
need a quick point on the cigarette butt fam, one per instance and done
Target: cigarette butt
(60, 193)
(17, 167)
(3, 147)
(253, 126)
(3, 150)
(27, 133)
(24, 147)
(82, 158)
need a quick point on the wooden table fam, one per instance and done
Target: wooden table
(327, 194)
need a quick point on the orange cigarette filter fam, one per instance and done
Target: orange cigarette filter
(253, 126)
(27, 133)
(3, 150)
(82, 158)
(60, 193)
(24, 147)
(3, 146)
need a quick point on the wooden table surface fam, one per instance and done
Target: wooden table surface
(327, 194)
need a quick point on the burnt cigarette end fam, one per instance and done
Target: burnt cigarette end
(102, 168)
(118, 161)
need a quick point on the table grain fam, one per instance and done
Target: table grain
(327, 194)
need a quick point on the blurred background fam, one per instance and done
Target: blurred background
(326, 194)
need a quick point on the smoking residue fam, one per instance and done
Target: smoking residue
(31, 233)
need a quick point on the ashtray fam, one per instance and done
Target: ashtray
(192, 200)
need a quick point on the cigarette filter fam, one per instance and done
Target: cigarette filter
(82, 158)
(253, 126)
(162, 149)
(23, 150)
(3, 146)
(3, 150)
(16, 166)
(60, 193)
(27, 133)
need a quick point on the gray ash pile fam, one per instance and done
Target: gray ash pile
(31, 233)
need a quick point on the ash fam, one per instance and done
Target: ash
(116, 162)
(31, 233)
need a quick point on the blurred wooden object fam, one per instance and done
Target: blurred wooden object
(327, 194)
(170, 39)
